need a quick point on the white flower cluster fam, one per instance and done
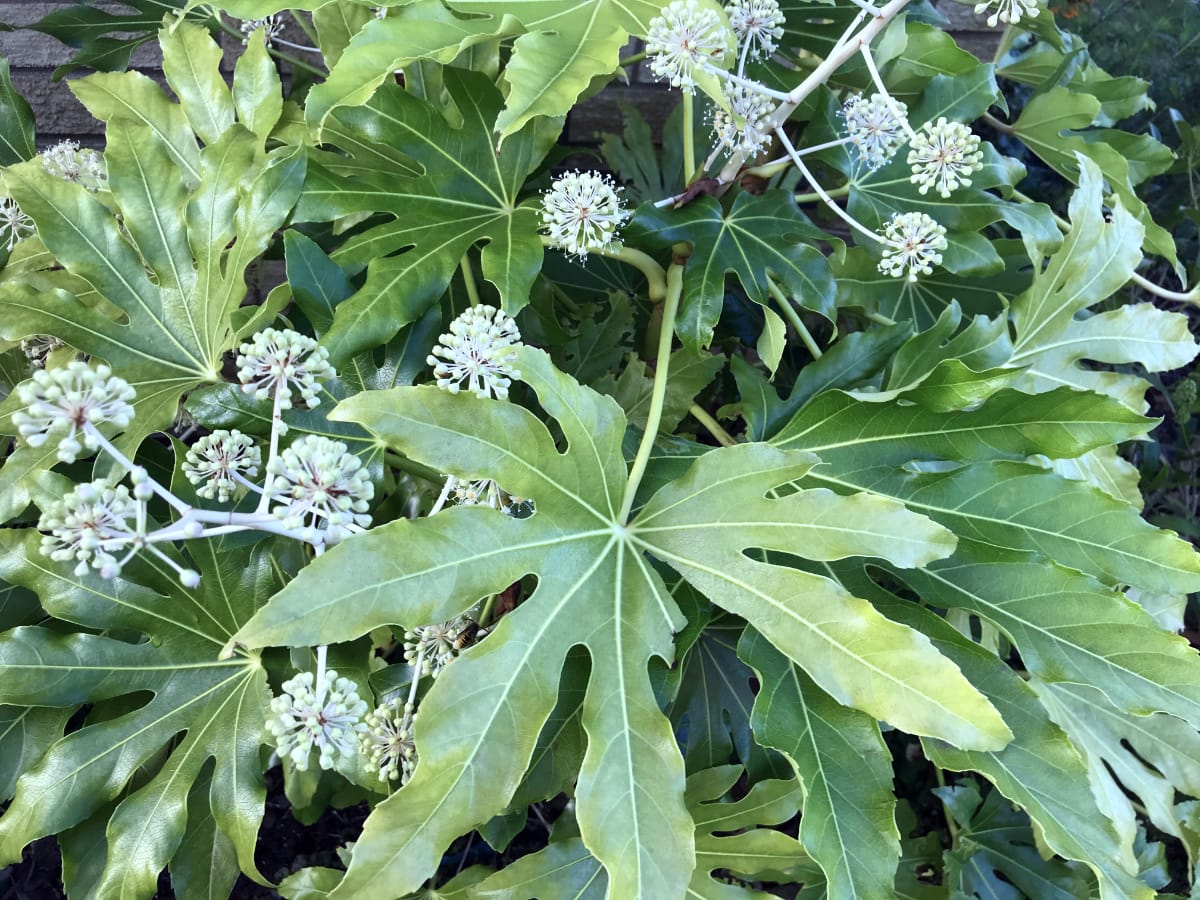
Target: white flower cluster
(68, 403)
(38, 347)
(322, 490)
(875, 126)
(85, 167)
(438, 645)
(87, 525)
(477, 353)
(327, 716)
(758, 25)
(387, 743)
(219, 462)
(271, 25)
(1007, 11)
(485, 492)
(943, 155)
(914, 242)
(15, 226)
(684, 38)
(582, 212)
(746, 126)
(284, 361)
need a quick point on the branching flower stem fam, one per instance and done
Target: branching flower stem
(849, 44)
(264, 499)
(869, 59)
(656, 277)
(821, 192)
(659, 392)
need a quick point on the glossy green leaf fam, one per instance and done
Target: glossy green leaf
(998, 841)
(16, 122)
(432, 218)
(730, 835)
(595, 588)
(844, 767)
(219, 704)
(1098, 256)
(1051, 125)
(759, 238)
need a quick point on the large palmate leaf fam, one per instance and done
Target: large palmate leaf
(759, 239)
(446, 192)
(596, 588)
(152, 275)
(178, 707)
(1039, 769)
(1098, 256)
(1053, 125)
(845, 770)
(560, 47)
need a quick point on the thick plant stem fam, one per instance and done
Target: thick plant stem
(711, 425)
(843, 191)
(789, 311)
(689, 139)
(659, 394)
(468, 274)
(404, 464)
(656, 277)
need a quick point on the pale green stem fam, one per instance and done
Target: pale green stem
(485, 616)
(631, 59)
(689, 140)
(882, 88)
(953, 829)
(843, 191)
(1002, 127)
(468, 274)
(273, 448)
(656, 278)
(823, 194)
(658, 394)
(404, 464)
(880, 318)
(789, 312)
(711, 425)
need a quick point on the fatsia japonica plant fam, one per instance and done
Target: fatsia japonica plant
(734, 517)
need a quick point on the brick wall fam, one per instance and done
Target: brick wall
(34, 58)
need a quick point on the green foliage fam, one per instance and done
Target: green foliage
(759, 571)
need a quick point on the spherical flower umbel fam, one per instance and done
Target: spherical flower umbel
(271, 25)
(746, 127)
(439, 644)
(217, 461)
(286, 361)
(1007, 11)
(943, 155)
(582, 212)
(327, 716)
(685, 37)
(477, 353)
(64, 402)
(15, 226)
(38, 347)
(914, 245)
(387, 743)
(66, 161)
(321, 489)
(88, 526)
(757, 23)
(875, 126)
